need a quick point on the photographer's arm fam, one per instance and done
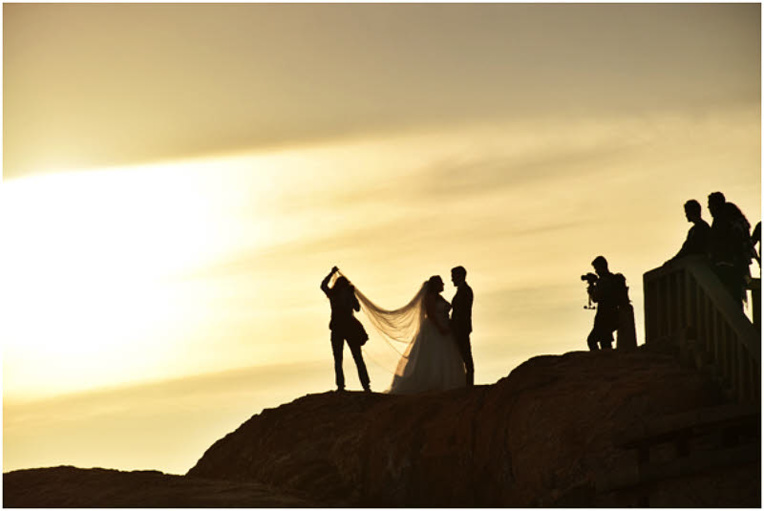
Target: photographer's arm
(325, 282)
(594, 291)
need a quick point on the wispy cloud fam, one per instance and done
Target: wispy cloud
(485, 187)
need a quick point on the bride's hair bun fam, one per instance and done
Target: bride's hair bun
(432, 280)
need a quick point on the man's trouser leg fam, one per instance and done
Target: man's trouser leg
(591, 341)
(465, 349)
(600, 338)
(363, 375)
(606, 342)
(338, 343)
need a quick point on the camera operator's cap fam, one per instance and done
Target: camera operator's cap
(599, 260)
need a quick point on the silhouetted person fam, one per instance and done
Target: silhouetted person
(730, 247)
(698, 235)
(345, 327)
(608, 291)
(461, 320)
(756, 240)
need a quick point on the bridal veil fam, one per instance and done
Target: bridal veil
(398, 328)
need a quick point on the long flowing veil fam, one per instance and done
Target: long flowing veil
(398, 327)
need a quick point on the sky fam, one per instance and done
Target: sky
(179, 178)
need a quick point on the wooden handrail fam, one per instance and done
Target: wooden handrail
(686, 304)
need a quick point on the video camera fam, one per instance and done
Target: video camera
(590, 278)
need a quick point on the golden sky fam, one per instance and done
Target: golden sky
(179, 178)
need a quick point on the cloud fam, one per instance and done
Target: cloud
(519, 182)
(94, 85)
(444, 180)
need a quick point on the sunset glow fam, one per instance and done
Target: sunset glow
(167, 282)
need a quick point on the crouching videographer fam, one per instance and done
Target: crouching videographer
(610, 293)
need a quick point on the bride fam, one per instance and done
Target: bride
(431, 361)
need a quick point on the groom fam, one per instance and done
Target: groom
(461, 320)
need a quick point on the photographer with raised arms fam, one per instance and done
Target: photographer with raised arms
(345, 327)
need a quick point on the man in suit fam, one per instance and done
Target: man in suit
(461, 320)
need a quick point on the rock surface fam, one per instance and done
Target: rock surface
(75, 487)
(543, 436)
(540, 437)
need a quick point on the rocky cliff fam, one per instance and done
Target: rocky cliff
(542, 436)
(546, 435)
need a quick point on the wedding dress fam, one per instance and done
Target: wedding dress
(431, 360)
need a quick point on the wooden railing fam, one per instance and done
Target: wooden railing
(686, 304)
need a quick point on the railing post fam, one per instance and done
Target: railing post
(673, 297)
(755, 286)
(685, 297)
(660, 312)
(742, 372)
(650, 302)
(702, 327)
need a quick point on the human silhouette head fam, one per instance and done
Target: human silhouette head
(458, 275)
(341, 283)
(716, 203)
(692, 210)
(600, 266)
(434, 284)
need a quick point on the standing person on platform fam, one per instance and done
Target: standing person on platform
(756, 240)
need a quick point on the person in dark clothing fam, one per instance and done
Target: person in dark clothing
(730, 247)
(756, 240)
(345, 327)
(606, 291)
(461, 320)
(697, 236)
